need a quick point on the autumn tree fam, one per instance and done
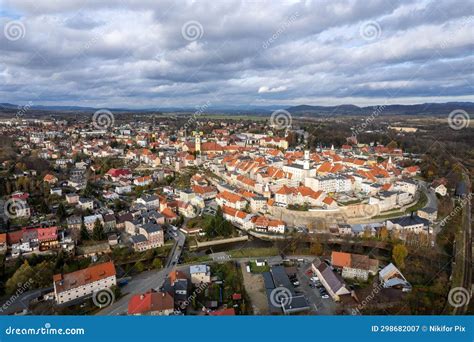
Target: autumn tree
(399, 253)
(316, 248)
(383, 233)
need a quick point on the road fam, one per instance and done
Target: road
(13, 305)
(464, 257)
(147, 280)
(432, 201)
(319, 306)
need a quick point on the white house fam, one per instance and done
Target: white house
(70, 286)
(200, 274)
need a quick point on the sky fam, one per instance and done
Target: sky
(177, 53)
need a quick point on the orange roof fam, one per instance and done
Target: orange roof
(168, 213)
(175, 275)
(143, 179)
(325, 167)
(49, 178)
(328, 200)
(150, 302)
(229, 196)
(412, 168)
(82, 277)
(341, 259)
(228, 210)
(203, 189)
(284, 190)
(3, 238)
(336, 168)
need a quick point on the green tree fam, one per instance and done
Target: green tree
(84, 234)
(61, 212)
(23, 277)
(98, 231)
(399, 253)
(157, 263)
(139, 267)
(43, 208)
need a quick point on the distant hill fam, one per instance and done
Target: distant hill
(417, 109)
(300, 110)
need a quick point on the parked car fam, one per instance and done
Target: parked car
(325, 296)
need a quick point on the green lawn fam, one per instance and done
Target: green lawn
(418, 205)
(253, 252)
(258, 269)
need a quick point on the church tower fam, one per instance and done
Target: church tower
(197, 145)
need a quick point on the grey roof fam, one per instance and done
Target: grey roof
(461, 189)
(410, 221)
(151, 227)
(149, 198)
(334, 280)
(280, 278)
(268, 280)
(429, 210)
(296, 304)
(138, 238)
(198, 269)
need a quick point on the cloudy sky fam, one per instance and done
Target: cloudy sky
(160, 53)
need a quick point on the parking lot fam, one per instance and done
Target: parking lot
(320, 302)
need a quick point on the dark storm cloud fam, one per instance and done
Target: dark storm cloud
(138, 53)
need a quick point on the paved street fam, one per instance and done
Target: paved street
(319, 306)
(147, 280)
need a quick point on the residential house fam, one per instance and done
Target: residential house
(332, 282)
(391, 277)
(70, 286)
(150, 235)
(200, 274)
(354, 266)
(152, 304)
(85, 203)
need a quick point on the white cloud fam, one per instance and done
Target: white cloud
(76, 52)
(265, 89)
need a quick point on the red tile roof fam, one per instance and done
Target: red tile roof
(223, 312)
(150, 302)
(82, 277)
